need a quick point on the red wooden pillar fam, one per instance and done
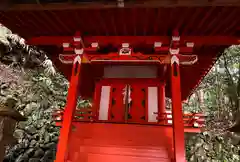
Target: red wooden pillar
(69, 111)
(96, 101)
(178, 125)
(161, 95)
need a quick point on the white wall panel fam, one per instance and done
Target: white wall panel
(152, 104)
(104, 103)
(130, 72)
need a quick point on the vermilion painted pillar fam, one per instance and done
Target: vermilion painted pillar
(161, 95)
(96, 101)
(69, 111)
(178, 125)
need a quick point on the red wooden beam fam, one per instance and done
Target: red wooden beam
(204, 18)
(217, 16)
(113, 4)
(133, 58)
(118, 40)
(190, 23)
(186, 129)
(225, 22)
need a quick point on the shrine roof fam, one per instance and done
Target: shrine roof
(151, 18)
(218, 19)
(73, 4)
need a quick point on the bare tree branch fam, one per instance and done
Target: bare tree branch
(232, 84)
(227, 70)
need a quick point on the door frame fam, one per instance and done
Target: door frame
(150, 82)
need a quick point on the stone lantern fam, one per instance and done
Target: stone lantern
(8, 120)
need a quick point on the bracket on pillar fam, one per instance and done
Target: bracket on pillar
(126, 54)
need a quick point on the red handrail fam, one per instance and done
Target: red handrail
(87, 115)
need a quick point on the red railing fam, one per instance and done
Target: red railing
(195, 120)
(190, 120)
(81, 115)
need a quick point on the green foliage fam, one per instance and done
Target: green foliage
(220, 91)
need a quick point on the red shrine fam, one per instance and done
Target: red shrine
(127, 56)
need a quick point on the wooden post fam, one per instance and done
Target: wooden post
(73, 93)
(161, 95)
(178, 125)
(69, 110)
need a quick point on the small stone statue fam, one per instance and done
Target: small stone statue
(8, 119)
